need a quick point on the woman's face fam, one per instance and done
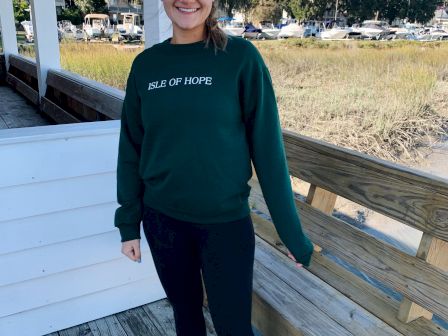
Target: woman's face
(188, 14)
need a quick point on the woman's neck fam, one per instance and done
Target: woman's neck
(182, 36)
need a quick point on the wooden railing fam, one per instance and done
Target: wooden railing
(409, 196)
(22, 76)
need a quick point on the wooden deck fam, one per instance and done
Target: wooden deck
(155, 318)
(325, 299)
(15, 111)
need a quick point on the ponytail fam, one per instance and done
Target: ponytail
(214, 33)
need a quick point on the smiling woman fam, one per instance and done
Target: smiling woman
(189, 131)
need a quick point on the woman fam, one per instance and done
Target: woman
(198, 108)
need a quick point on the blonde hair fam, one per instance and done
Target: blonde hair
(214, 34)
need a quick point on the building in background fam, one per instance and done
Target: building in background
(115, 7)
(60, 5)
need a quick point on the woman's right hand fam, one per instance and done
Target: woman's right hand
(131, 249)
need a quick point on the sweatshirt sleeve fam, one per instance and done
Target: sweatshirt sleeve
(265, 140)
(130, 187)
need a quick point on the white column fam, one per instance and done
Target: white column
(46, 43)
(158, 26)
(9, 38)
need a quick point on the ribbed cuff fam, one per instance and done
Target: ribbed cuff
(128, 232)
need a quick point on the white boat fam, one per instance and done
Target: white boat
(29, 34)
(335, 33)
(69, 30)
(97, 26)
(372, 29)
(269, 30)
(233, 27)
(130, 28)
(293, 29)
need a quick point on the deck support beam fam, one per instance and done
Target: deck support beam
(8, 29)
(433, 251)
(46, 43)
(158, 26)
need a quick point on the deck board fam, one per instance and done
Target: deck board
(16, 112)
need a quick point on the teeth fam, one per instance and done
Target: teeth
(190, 10)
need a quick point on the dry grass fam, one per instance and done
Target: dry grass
(384, 99)
(377, 98)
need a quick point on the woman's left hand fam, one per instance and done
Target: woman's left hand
(299, 265)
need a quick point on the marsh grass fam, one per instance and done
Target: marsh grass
(385, 99)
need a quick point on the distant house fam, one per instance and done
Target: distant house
(60, 5)
(115, 7)
(440, 16)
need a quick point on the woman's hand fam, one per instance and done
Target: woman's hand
(299, 265)
(131, 249)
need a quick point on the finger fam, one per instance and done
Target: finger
(137, 253)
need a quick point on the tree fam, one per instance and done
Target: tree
(239, 5)
(422, 10)
(309, 9)
(20, 10)
(91, 6)
(266, 10)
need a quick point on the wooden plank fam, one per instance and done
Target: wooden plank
(371, 298)
(435, 252)
(82, 329)
(414, 278)
(56, 113)
(288, 308)
(107, 101)
(58, 195)
(48, 260)
(24, 64)
(72, 283)
(29, 93)
(321, 199)
(34, 231)
(136, 322)
(107, 326)
(66, 314)
(345, 312)
(408, 195)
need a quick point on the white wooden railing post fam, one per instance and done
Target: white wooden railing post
(158, 26)
(8, 27)
(45, 40)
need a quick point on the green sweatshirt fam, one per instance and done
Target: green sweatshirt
(191, 123)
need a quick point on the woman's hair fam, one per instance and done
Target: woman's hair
(214, 34)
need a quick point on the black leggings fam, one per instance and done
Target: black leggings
(225, 254)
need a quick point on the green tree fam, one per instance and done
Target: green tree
(91, 6)
(421, 10)
(239, 5)
(20, 10)
(309, 9)
(269, 10)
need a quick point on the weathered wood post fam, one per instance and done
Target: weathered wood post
(435, 252)
(323, 200)
(158, 26)
(46, 43)
(8, 28)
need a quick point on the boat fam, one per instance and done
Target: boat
(293, 29)
(69, 31)
(29, 33)
(130, 28)
(335, 33)
(269, 30)
(251, 32)
(231, 26)
(97, 26)
(372, 29)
